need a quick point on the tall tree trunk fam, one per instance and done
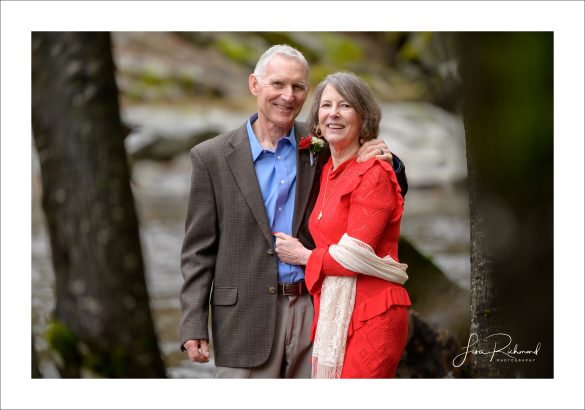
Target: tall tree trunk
(486, 301)
(508, 104)
(102, 318)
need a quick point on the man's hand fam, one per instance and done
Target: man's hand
(290, 250)
(198, 350)
(374, 148)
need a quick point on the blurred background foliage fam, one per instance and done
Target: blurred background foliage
(174, 67)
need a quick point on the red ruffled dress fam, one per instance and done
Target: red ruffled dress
(363, 200)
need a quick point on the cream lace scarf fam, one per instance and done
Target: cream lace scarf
(338, 299)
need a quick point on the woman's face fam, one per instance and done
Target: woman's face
(338, 120)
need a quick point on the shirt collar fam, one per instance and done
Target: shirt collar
(255, 145)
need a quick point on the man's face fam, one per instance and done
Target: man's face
(280, 92)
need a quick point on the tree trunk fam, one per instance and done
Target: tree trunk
(508, 104)
(102, 320)
(486, 301)
(35, 372)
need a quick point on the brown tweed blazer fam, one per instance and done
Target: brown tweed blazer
(228, 260)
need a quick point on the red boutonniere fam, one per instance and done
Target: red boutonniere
(313, 144)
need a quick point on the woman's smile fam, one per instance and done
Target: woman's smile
(338, 120)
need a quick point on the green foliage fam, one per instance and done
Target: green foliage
(63, 342)
(342, 51)
(75, 354)
(238, 51)
(404, 65)
(318, 73)
(273, 38)
(509, 87)
(415, 46)
(151, 77)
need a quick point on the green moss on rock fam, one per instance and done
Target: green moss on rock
(63, 342)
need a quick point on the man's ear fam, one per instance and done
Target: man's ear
(253, 84)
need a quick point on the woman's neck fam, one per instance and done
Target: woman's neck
(339, 156)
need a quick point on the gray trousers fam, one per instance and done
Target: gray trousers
(290, 356)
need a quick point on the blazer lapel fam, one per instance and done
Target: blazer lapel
(242, 167)
(305, 178)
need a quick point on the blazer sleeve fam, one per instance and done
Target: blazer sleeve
(198, 254)
(372, 204)
(400, 171)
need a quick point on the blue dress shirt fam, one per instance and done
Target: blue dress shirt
(277, 176)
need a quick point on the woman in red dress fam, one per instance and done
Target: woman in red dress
(361, 318)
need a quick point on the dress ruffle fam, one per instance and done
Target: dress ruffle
(376, 305)
(361, 168)
(364, 310)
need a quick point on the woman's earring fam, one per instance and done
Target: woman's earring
(318, 132)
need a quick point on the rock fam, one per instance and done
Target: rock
(162, 145)
(163, 133)
(429, 352)
(436, 298)
(430, 141)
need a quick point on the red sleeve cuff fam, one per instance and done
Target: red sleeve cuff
(319, 265)
(313, 277)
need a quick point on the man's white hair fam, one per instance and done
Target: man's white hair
(280, 49)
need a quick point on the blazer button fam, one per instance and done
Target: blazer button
(270, 251)
(272, 290)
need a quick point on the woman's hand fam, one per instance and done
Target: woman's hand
(290, 250)
(374, 148)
